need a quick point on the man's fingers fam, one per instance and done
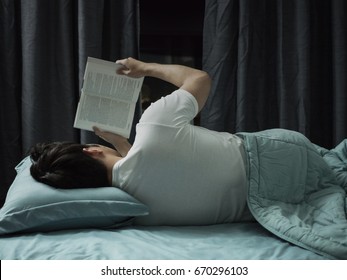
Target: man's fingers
(122, 61)
(98, 131)
(124, 70)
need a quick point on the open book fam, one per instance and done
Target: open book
(108, 99)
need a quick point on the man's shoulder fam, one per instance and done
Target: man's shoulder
(177, 108)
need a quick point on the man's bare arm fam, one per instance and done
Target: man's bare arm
(196, 82)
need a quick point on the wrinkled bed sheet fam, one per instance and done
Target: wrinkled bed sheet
(227, 241)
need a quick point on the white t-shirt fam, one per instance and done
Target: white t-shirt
(185, 174)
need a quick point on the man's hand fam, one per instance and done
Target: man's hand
(119, 142)
(132, 67)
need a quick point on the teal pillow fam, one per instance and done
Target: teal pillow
(31, 206)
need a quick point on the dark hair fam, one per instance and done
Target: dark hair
(65, 165)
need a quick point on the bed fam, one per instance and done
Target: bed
(39, 222)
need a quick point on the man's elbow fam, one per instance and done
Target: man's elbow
(199, 85)
(206, 81)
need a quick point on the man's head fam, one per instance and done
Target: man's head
(68, 165)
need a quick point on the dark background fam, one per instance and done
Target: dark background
(171, 32)
(273, 64)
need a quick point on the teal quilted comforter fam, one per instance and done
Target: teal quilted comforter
(297, 190)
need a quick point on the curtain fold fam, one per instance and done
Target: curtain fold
(43, 53)
(277, 63)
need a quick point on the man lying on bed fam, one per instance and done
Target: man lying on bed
(185, 174)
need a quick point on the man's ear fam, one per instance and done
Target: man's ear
(93, 151)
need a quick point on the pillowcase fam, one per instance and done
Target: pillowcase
(31, 206)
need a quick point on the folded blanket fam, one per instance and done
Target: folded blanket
(297, 190)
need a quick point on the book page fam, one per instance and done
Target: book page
(101, 79)
(99, 111)
(107, 99)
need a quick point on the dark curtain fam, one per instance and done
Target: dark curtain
(43, 51)
(277, 63)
